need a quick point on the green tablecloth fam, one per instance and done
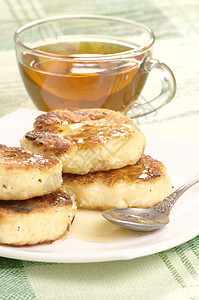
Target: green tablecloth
(172, 274)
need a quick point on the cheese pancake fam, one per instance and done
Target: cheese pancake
(25, 175)
(142, 185)
(86, 140)
(37, 220)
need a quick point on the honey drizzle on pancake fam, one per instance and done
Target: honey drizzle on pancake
(78, 129)
(145, 169)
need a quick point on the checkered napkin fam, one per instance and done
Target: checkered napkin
(168, 275)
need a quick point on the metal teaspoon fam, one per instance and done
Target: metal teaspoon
(147, 219)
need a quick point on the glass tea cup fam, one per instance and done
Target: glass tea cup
(86, 61)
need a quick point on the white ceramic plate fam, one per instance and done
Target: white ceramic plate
(182, 161)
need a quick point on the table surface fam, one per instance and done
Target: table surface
(172, 274)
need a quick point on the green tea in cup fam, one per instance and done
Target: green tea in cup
(89, 61)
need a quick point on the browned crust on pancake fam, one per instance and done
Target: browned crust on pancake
(146, 169)
(60, 116)
(36, 204)
(17, 157)
(50, 142)
(98, 126)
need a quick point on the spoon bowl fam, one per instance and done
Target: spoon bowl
(135, 218)
(147, 219)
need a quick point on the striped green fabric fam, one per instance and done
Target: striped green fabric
(169, 275)
(14, 283)
(172, 274)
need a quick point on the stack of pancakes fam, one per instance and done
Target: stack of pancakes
(102, 154)
(34, 206)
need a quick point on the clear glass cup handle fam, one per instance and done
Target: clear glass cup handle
(154, 66)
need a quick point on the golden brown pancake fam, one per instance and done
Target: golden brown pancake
(86, 140)
(37, 220)
(142, 185)
(24, 175)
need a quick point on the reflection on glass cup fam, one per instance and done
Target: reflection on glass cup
(84, 61)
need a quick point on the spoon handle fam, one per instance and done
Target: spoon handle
(166, 205)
